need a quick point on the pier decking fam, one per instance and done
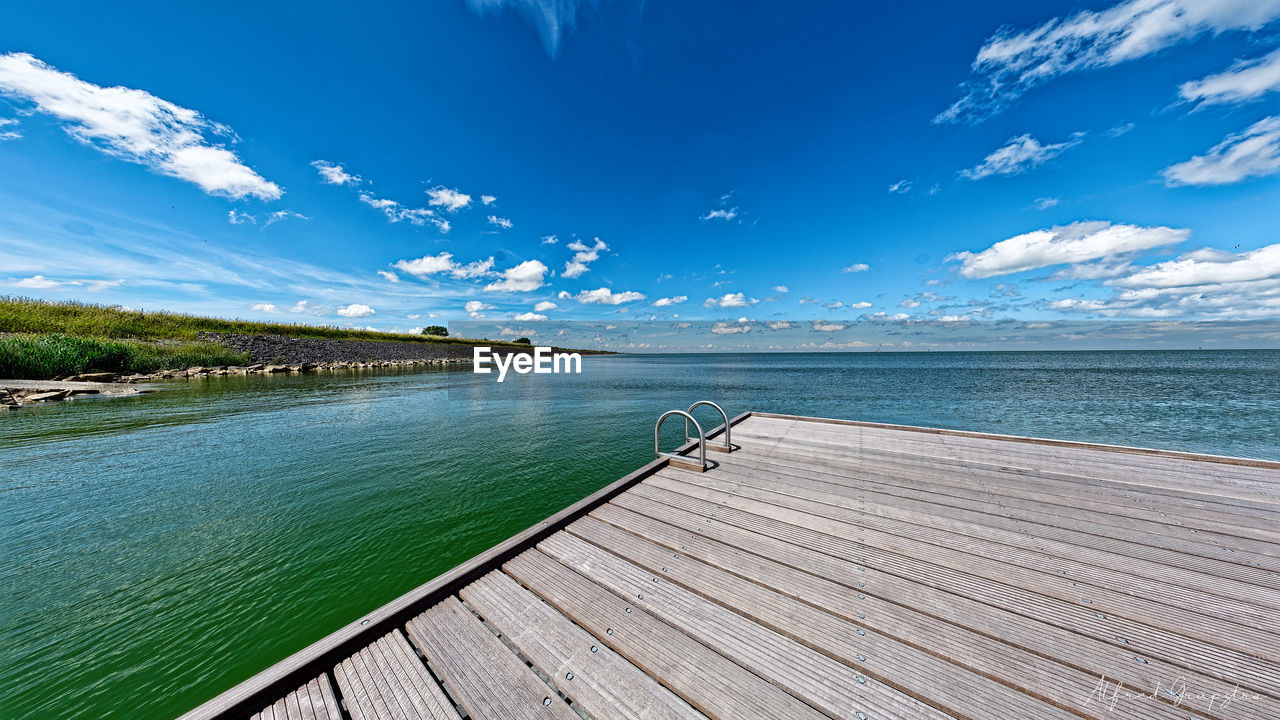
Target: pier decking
(831, 569)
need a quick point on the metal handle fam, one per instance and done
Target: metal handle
(702, 440)
(728, 446)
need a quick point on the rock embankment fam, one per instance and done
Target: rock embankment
(282, 350)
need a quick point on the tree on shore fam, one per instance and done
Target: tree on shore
(437, 330)
(524, 341)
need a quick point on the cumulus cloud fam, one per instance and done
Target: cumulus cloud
(824, 326)
(524, 277)
(550, 239)
(1065, 244)
(834, 305)
(1017, 156)
(476, 308)
(444, 263)
(544, 306)
(447, 198)
(265, 308)
(36, 282)
(136, 126)
(724, 328)
(389, 276)
(334, 174)
(582, 258)
(488, 199)
(501, 222)
(730, 300)
(779, 325)
(529, 317)
(1252, 153)
(1013, 61)
(901, 187)
(855, 268)
(781, 289)
(862, 305)
(1244, 81)
(301, 306)
(356, 310)
(236, 217)
(673, 300)
(603, 296)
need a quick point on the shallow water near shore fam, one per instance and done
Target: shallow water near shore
(158, 549)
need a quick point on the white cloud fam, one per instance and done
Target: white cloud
(301, 306)
(396, 212)
(281, 215)
(36, 282)
(909, 303)
(488, 199)
(779, 325)
(720, 214)
(1045, 203)
(723, 328)
(389, 276)
(824, 326)
(1244, 81)
(855, 268)
(673, 300)
(356, 310)
(501, 222)
(553, 19)
(414, 316)
(544, 306)
(137, 126)
(1017, 156)
(582, 258)
(901, 187)
(448, 198)
(781, 289)
(834, 305)
(334, 174)
(265, 308)
(1252, 153)
(604, 296)
(1065, 244)
(235, 217)
(550, 239)
(529, 317)
(1014, 61)
(730, 300)
(9, 134)
(862, 305)
(428, 265)
(1208, 268)
(524, 277)
(475, 309)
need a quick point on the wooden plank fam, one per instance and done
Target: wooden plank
(602, 683)
(1185, 473)
(1201, 486)
(313, 701)
(1171, 519)
(387, 681)
(1216, 614)
(1010, 644)
(484, 675)
(1062, 606)
(711, 683)
(832, 681)
(1248, 578)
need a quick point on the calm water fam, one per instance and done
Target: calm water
(157, 550)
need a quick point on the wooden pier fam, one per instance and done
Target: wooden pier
(833, 569)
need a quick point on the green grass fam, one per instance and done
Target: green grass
(42, 357)
(26, 315)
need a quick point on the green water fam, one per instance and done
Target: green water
(159, 549)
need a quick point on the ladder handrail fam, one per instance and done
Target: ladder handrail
(727, 445)
(702, 439)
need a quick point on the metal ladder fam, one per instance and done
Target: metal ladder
(682, 460)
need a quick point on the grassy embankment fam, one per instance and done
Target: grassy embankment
(41, 340)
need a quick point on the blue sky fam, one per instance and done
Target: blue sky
(534, 162)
